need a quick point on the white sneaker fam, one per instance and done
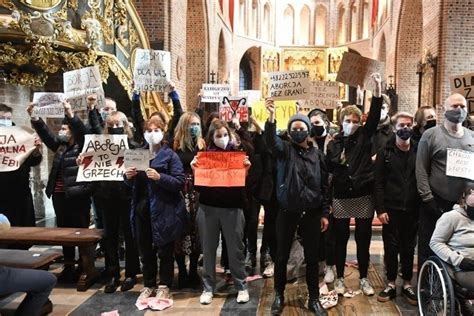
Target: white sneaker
(339, 286)
(366, 287)
(163, 292)
(268, 272)
(328, 274)
(145, 293)
(206, 298)
(243, 297)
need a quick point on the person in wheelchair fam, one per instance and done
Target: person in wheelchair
(453, 242)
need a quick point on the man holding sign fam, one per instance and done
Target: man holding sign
(439, 185)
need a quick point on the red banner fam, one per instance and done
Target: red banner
(220, 169)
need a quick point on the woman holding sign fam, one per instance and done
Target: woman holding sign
(158, 212)
(221, 208)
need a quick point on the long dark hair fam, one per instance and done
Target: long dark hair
(217, 124)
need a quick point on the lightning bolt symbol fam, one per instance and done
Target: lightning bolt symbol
(87, 161)
(119, 161)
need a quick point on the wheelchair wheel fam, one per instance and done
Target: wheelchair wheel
(435, 290)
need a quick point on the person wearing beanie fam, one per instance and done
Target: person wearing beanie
(302, 186)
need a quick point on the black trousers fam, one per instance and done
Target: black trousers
(251, 212)
(308, 225)
(327, 252)
(269, 229)
(74, 213)
(148, 252)
(399, 238)
(427, 224)
(363, 235)
(116, 220)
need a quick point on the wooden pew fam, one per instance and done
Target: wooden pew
(25, 259)
(84, 238)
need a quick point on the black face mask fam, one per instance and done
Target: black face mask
(298, 136)
(317, 131)
(429, 124)
(116, 130)
(405, 133)
(470, 211)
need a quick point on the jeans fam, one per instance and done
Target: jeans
(37, 284)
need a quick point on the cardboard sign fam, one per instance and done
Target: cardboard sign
(464, 84)
(251, 96)
(152, 70)
(234, 107)
(138, 158)
(289, 85)
(220, 169)
(103, 158)
(16, 145)
(48, 104)
(459, 163)
(214, 93)
(79, 84)
(357, 70)
(324, 95)
(283, 111)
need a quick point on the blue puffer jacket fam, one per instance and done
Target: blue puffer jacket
(166, 203)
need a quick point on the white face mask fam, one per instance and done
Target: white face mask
(349, 128)
(153, 138)
(222, 142)
(5, 122)
(383, 114)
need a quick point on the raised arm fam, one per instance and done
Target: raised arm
(274, 143)
(43, 131)
(373, 119)
(177, 109)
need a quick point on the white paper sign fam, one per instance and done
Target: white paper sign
(214, 92)
(251, 96)
(16, 145)
(289, 85)
(78, 84)
(459, 163)
(48, 104)
(324, 95)
(103, 158)
(138, 158)
(152, 70)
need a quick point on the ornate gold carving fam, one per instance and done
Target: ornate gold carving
(313, 60)
(120, 16)
(27, 79)
(72, 4)
(133, 36)
(41, 4)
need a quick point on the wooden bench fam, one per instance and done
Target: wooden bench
(25, 259)
(85, 239)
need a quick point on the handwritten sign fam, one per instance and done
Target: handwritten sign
(289, 85)
(16, 145)
(48, 104)
(459, 163)
(283, 111)
(137, 158)
(464, 85)
(220, 169)
(78, 84)
(357, 70)
(152, 70)
(214, 93)
(324, 95)
(231, 107)
(103, 158)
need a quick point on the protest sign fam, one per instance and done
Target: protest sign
(231, 107)
(283, 111)
(103, 158)
(464, 85)
(79, 84)
(459, 163)
(214, 93)
(220, 169)
(152, 70)
(251, 96)
(289, 85)
(357, 70)
(16, 145)
(324, 95)
(137, 158)
(48, 104)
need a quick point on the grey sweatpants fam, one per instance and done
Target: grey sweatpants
(232, 222)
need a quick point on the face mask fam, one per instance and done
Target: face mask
(63, 136)
(153, 138)
(104, 115)
(299, 136)
(116, 130)
(222, 142)
(429, 124)
(318, 131)
(349, 128)
(405, 133)
(5, 122)
(383, 114)
(195, 131)
(456, 116)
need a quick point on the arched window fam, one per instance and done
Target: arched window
(266, 27)
(305, 17)
(254, 19)
(341, 24)
(321, 20)
(245, 74)
(289, 27)
(354, 22)
(365, 19)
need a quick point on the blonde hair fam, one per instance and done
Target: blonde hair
(182, 136)
(121, 117)
(349, 110)
(403, 115)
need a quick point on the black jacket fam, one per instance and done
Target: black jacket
(395, 179)
(383, 134)
(64, 161)
(353, 174)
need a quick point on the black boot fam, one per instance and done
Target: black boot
(278, 303)
(113, 284)
(315, 306)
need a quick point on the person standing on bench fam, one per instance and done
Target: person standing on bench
(71, 199)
